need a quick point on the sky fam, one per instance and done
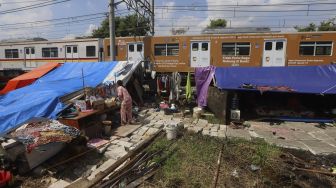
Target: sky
(191, 15)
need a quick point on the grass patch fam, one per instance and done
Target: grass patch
(192, 159)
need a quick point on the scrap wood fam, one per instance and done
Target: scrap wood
(123, 172)
(316, 171)
(85, 183)
(141, 180)
(215, 180)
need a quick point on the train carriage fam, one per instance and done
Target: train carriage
(27, 55)
(183, 53)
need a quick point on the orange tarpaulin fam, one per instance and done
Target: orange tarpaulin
(28, 78)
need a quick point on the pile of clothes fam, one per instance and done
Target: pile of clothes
(40, 133)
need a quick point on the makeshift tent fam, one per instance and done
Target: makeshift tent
(303, 79)
(122, 71)
(42, 99)
(28, 78)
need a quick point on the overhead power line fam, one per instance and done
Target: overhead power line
(34, 6)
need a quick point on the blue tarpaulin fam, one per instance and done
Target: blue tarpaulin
(42, 99)
(303, 79)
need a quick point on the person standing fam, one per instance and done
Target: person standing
(126, 104)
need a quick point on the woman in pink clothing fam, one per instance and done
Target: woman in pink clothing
(126, 104)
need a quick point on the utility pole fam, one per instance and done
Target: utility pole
(112, 31)
(152, 17)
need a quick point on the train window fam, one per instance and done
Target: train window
(131, 47)
(268, 46)
(50, 52)
(160, 49)
(90, 51)
(139, 47)
(195, 47)
(315, 48)
(243, 48)
(27, 51)
(75, 49)
(32, 50)
(205, 46)
(68, 49)
(323, 48)
(228, 49)
(279, 46)
(172, 49)
(11, 53)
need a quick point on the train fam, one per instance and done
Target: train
(181, 53)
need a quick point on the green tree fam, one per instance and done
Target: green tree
(310, 27)
(217, 23)
(129, 25)
(327, 25)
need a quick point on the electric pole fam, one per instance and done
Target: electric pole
(112, 31)
(152, 17)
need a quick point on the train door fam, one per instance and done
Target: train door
(30, 57)
(135, 52)
(274, 53)
(71, 53)
(200, 54)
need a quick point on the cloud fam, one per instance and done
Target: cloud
(27, 30)
(90, 29)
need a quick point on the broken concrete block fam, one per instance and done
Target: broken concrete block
(195, 129)
(59, 183)
(116, 153)
(206, 132)
(215, 128)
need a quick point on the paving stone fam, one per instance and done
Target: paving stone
(142, 131)
(206, 132)
(202, 123)
(214, 133)
(319, 147)
(125, 144)
(126, 139)
(302, 135)
(152, 131)
(222, 127)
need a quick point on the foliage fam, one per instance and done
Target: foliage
(327, 25)
(217, 23)
(310, 27)
(130, 25)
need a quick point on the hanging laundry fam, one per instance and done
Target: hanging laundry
(188, 88)
(203, 78)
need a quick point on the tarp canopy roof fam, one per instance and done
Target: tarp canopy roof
(42, 98)
(28, 78)
(300, 79)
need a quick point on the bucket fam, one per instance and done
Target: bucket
(197, 112)
(107, 127)
(171, 131)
